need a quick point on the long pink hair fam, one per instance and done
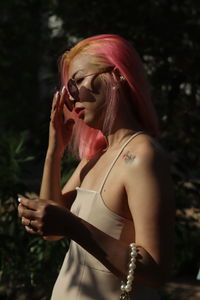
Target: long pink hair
(117, 52)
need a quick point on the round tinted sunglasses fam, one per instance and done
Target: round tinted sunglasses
(73, 88)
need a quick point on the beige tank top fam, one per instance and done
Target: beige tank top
(82, 276)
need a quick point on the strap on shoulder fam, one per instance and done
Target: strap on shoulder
(117, 156)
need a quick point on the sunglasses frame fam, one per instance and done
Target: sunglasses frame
(73, 82)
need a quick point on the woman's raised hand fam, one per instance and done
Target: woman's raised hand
(60, 129)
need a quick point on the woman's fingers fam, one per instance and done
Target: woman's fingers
(58, 104)
(59, 109)
(65, 98)
(31, 213)
(47, 219)
(55, 100)
(55, 106)
(68, 127)
(59, 113)
(26, 213)
(62, 112)
(30, 225)
(63, 95)
(29, 203)
(31, 230)
(26, 221)
(60, 129)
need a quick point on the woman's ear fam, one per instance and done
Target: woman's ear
(118, 75)
(122, 78)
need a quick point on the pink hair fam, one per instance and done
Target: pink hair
(119, 53)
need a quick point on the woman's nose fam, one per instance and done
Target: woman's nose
(85, 93)
(87, 83)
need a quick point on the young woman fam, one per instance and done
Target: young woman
(117, 208)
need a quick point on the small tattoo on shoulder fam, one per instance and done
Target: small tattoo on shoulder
(128, 157)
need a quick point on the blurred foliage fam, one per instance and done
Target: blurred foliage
(24, 259)
(13, 160)
(187, 247)
(33, 35)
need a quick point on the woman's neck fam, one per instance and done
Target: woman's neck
(119, 137)
(121, 133)
(126, 124)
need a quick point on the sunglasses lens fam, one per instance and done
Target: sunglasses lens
(73, 91)
(69, 104)
(72, 88)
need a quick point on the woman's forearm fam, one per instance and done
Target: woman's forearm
(60, 131)
(115, 254)
(51, 179)
(51, 184)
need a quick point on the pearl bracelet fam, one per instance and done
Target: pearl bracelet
(127, 287)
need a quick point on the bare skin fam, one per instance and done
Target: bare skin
(138, 188)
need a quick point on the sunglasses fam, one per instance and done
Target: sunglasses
(74, 90)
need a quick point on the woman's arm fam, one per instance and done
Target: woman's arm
(150, 197)
(60, 131)
(151, 205)
(149, 189)
(51, 181)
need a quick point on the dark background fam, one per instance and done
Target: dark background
(33, 35)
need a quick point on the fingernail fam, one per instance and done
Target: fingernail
(19, 199)
(63, 90)
(57, 93)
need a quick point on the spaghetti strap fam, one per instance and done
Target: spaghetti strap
(117, 156)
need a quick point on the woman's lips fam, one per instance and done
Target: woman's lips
(80, 112)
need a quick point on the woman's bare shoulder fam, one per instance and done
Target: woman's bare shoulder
(147, 164)
(146, 154)
(145, 148)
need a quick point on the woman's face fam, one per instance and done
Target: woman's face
(92, 89)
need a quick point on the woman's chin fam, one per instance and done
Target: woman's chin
(93, 121)
(93, 125)
(90, 122)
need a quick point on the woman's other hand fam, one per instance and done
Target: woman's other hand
(61, 126)
(43, 217)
